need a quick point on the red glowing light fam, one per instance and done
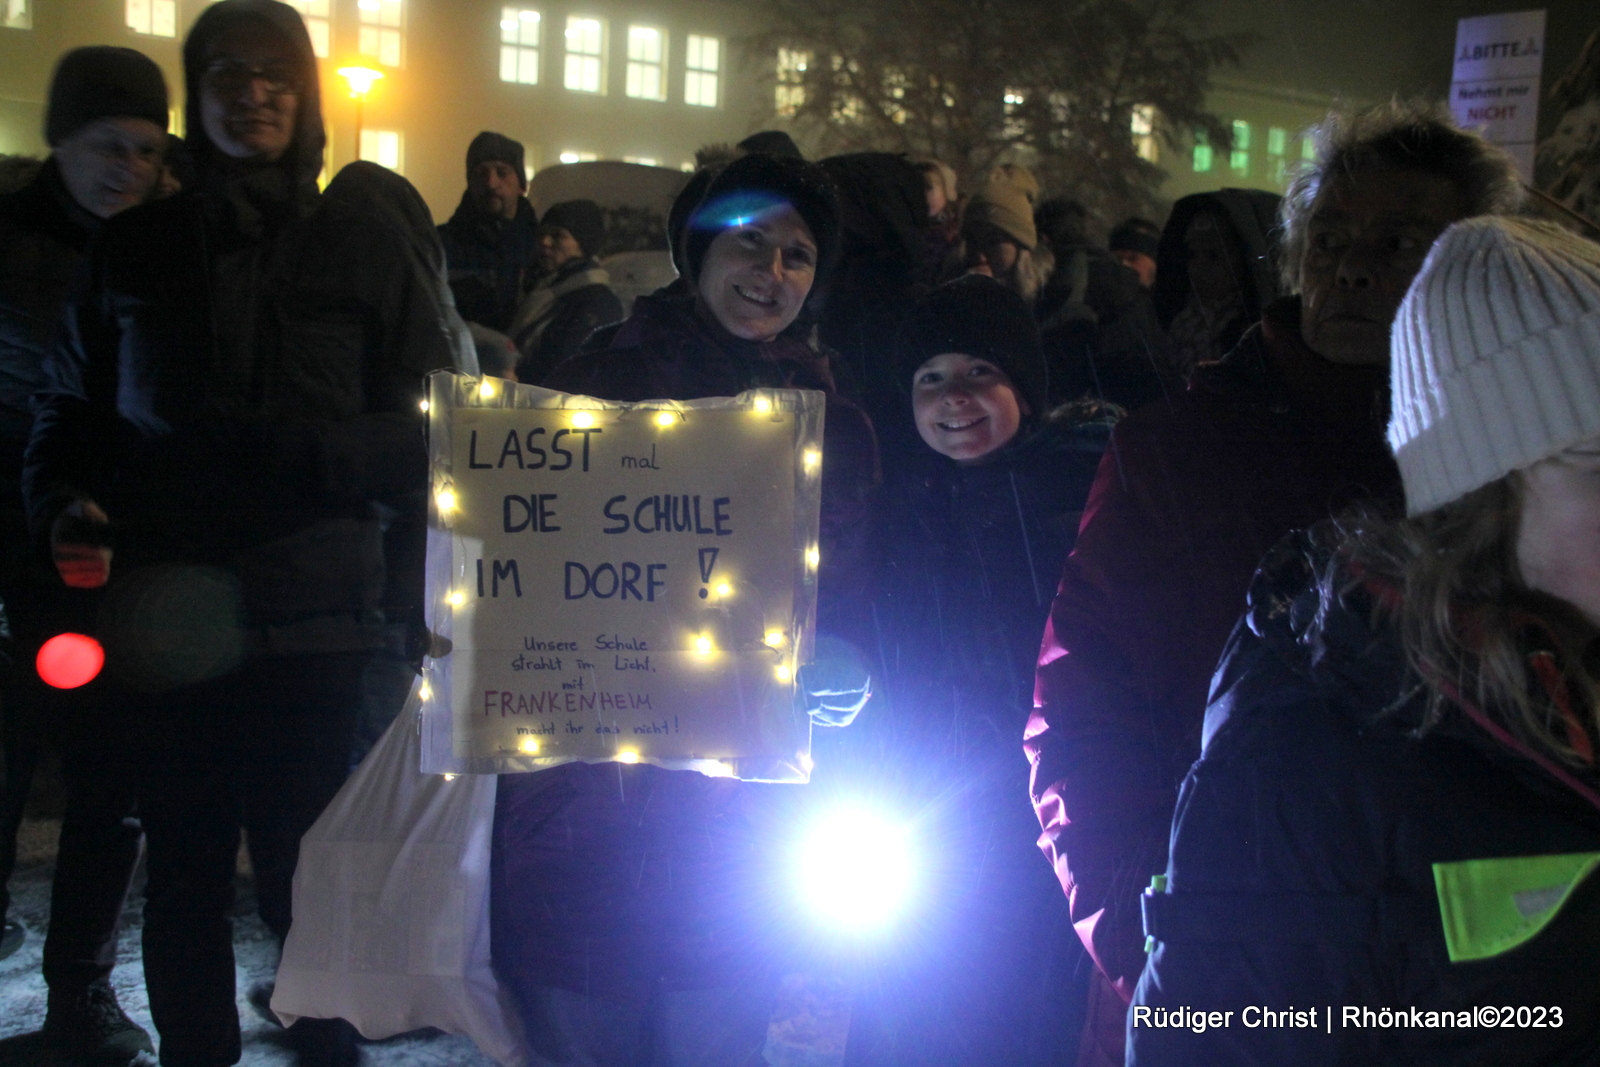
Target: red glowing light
(67, 661)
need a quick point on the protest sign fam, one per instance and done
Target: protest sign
(629, 582)
(1495, 85)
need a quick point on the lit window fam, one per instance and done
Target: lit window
(578, 157)
(380, 30)
(385, 148)
(1239, 158)
(1202, 151)
(702, 71)
(791, 96)
(16, 14)
(158, 18)
(316, 14)
(1277, 145)
(519, 45)
(643, 161)
(586, 40)
(646, 73)
(1142, 124)
(1014, 99)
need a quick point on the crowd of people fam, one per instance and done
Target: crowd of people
(1345, 443)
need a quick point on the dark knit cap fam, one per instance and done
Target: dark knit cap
(754, 184)
(498, 148)
(581, 218)
(103, 82)
(771, 143)
(1135, 235)
(977, 316)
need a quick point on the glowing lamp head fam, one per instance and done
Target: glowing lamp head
(812, 459)
(774, 638)
(813, 557)
(856, 869)
(423, 405)
(446, 499)
(360, 79)
(529, 746)
(702, 645)
(762, 405)
(782, 672)
(724, 589)
(67, 661)
(486, 389)
(583, 420)
(456, 599)
(627, 755)
(665, 418)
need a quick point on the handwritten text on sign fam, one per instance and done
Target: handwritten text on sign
(629, 582)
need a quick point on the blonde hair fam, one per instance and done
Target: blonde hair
(1448, 582)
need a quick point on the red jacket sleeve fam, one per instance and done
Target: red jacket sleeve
(1102, 736)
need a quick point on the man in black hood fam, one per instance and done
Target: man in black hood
(235, 395)
(491, 243)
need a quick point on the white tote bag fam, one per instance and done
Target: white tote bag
(391, 905)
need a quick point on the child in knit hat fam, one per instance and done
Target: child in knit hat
(1397, 801)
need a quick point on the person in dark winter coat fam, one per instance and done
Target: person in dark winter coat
(622, 906)
(574, 298)
(1193, 492)
(1396, 812)
(971, 535)
(236, 391)
(491, 243)
(106, 123)
(1135, 243)
(1098, 325)
(1217, 270)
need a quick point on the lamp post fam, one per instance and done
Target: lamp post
(360, 80)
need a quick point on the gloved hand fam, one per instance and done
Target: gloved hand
(835, 685)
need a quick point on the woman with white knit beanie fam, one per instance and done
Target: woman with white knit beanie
(1387, 851)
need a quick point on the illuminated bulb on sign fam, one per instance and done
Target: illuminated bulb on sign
(583, 420)
(530, 745)
(449, 777)
(486, 389)
(762, 405)
(774, 638)
(446, 500)
(628, 756)
(813, 556)
(423, 404)
(456, 599)
(783, 672)
(425, 692)
(812, 459)
(724, 589)
(702, 645)
(665, 418)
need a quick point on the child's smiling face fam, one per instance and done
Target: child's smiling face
(965, 407)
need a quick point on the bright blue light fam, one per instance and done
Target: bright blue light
(855, 869)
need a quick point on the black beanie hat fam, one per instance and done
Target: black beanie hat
(771, 143)
(977, 316)
(498, 148)
(1136, 235)
(581, 218)
(752, 184)
(103, 82)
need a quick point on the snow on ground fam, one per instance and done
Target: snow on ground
(807, 1029)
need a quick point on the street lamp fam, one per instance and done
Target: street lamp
(360, 80)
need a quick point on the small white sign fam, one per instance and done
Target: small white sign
(1495, 86)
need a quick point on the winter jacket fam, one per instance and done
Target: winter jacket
(1100, 334)
(491, 260)
(44, 236)
(1191, 494)
(559, 315)
(1322, 849)
(238, 383)
(609, 879)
